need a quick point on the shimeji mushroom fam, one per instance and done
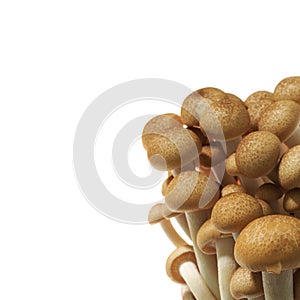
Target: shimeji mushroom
(282, 118)
(266, 208)
(246, 284)
(181, 267)
(258, 97)
(234, 211)
(186, 293)
(194, 193)
(291, 202)
(211, 241)
(232, 188)
(271, 245)
(288, 89)
(289, 169)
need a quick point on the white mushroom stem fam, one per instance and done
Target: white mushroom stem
(294, 139)
(278, 287)
(186, 293)
(251, 185)
(172, 234)
(192, 277)
(226, 265)
(207, 264)
(181, 220)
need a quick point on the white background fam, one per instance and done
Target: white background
(56, 58)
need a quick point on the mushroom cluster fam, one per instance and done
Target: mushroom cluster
(233, 185)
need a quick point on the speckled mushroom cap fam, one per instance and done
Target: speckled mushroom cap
(157, 126)
(269, 244)
(246, 284)
(281, 118)
(211, 155)
(175, 148)
(231, 166)
(266, 208)
(257, 154)
(235, 99)
(289, 169)
(288, 89)
(232, 188)
(191, 191)
(291, 201)
(258, 97)
(269, 192)
(160, 212)
(176, 259)
(233, 118)
(207, 237)
(234, 211)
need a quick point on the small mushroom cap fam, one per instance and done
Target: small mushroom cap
(269, 244)
(157, 126)
(232, 188)
(266, 208)
(160, 212)
(269, 192)
(211, 155)
(207, 237)
(234, 211)
(291, 201)
(176, 259)
(281, 118)
(246, 284)
(191, 191)
(288, 89)
(289, 169)
(257, 154)
(233, 120)
(258, 97)
(231, 166)
(176, 147)
(235, 99)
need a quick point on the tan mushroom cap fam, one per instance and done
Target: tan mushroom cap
(207, 237)
(233, 118)
(232, 188)
(165, 184)
(235, 99)
(269, 244)
(231, 166)
(176, 259)
(289, 169)
(266, 208)
(234, 211)
(291, 201)
(202, 137)
(211, 155)
(281, 118)
(191, 191)
(246, 284)
(257, 154)
(288, 89)
(157, 126)
(269, 192)
(159, 212)
(175, 148)
(258, 97)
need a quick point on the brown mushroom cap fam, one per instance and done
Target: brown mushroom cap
(233, 118)
(269, 244)
(246, 284)
(232, 188)
(235, 99)
(289, 169)
(176, 259)
(212, 153)
(176, 147)
(231, 166)
(288, 89)
(266, 208)
(160, 212)
(291, 201)
(258, 97)
(207, 237)
(157, 126)
(268, 192)
(281, 118)
(234, 211)
(191, 191)
(257, 154)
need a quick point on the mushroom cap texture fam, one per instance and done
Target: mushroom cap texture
(257, 154)
(160, 212)
(266, 208)
(269, 244)
(258, 97)
(231, 166)
(288, 89)
(291, 201)
(232, 188)
(289, 169)
(176, 259)
(281, 118)
(246, 284)
(234, 211)
(191, 191)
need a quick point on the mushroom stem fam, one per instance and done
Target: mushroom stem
(189, 272)
(294, 139)
(226, 265)
(206, 263)
(181, 220)
(251, 185)
(186, 293)
(278, 286)
(172, 234)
